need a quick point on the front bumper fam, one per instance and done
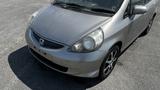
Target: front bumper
(76, 64)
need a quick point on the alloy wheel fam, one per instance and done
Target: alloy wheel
(110, 62)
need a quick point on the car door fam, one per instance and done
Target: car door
(138, 22)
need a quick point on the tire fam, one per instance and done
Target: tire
(109, 62)
(147, 30)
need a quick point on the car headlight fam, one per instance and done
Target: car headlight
(89, 43)
(31, 18)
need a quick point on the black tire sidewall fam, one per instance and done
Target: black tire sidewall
(148, 28)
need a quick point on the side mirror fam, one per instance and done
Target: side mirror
(139, 9)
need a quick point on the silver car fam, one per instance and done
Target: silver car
(84, 38)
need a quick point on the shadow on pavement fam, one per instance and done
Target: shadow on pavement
(35, 77)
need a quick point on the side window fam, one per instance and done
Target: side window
(127, 12)
(147, 1)
(137, 2)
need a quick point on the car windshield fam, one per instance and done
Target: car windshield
(107, 6)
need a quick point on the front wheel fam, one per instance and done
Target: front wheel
(109, 62)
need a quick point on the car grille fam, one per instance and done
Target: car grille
(46, 43)
(49, 63)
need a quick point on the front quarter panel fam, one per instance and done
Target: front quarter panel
(117, 33)
(117, 29)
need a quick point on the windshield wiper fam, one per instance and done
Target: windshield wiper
(80, 7)
(75, 5)
(69, 5)
(59, 3)
(102, 10)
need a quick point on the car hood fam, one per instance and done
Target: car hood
(65, 26)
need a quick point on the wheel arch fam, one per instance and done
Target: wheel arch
(119, 43)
